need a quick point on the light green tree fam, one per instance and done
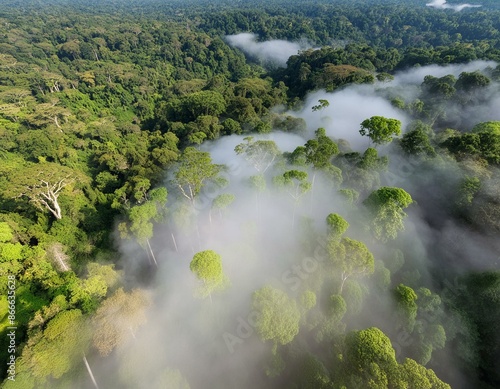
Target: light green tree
(207, 267)
(380, 129)
(278, 316)
(194, 169)
(352, 258)
(386, 206)
(42, 184)
(296, 186)
(337, 226)
(59, 347)
(319, 152)
(260, 153)
(406, 306)
(140, 219)
(220, 203)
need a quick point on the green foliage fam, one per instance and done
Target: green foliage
(321, 106)
(337, 225)
(491, 127)
(319, 151)
(382, 276)
(118, 318)
(231, 126)
(308, 299)
(10, 252)
(312, 374)
(47, 312)
(259, 153)
(278, 316)
(418, 376)
(223, 200)
(141, 216)
(349, 194)
(386, 205)
(406, 306)
(478, 296)
(60, 346)
(195, 167)
(468, 189)
(417, 143)
(207, 267)
(468, 82)
(295, 182)
(380, 129)
(485, 144)
(42, 184)
(5, 232)
(106, 107)
(351, 258)
(336, 307)
(369, 346)
(88, 293)
(370, 361)
(371, 161)
(258, 182)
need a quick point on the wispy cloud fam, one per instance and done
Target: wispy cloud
(275, 51)
(442, 4)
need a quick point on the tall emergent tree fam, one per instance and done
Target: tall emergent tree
(369, 361)
(296, 185)
(260, 153)
(207, 266)
(61, 344)
(195, 168)
(386, 206)
(220, 203)
(141, 217)
(350, 258)
(42, 184)
(380, 129)
(318, 152)
(278, 315)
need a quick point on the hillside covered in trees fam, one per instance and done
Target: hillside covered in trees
(215, 194)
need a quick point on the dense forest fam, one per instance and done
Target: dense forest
(272, 194)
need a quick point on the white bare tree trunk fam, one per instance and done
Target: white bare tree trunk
(152, 254)
(90, 371)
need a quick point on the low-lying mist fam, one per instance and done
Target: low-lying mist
(443, 4)
(272, 52)
(276, 236)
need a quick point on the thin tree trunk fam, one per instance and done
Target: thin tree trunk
(61, 262)
(90, 371)
(152, 254)
(344, 278)
(175, 243)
